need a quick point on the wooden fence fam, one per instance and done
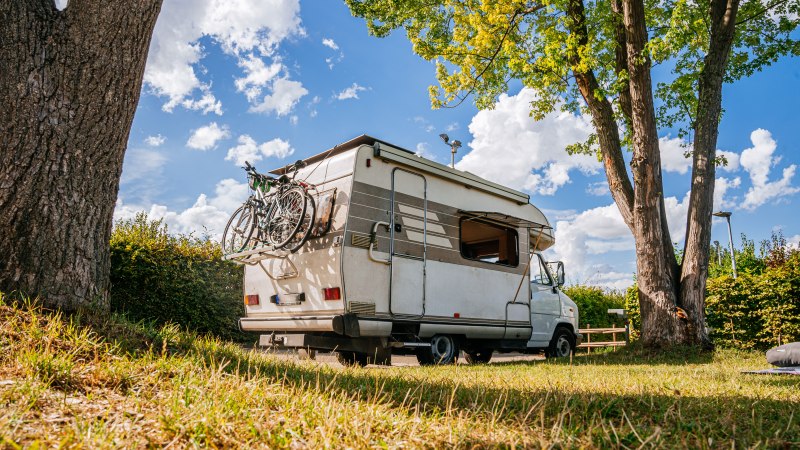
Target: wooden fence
(613, 331)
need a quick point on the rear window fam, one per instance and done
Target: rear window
(489, 242)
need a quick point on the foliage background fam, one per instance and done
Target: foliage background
(167, 278)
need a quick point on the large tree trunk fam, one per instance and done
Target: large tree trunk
(69, 84)
(694, 270)
(657, 270)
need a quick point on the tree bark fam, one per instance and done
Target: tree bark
(657, 274)
(69, 85)
(694, 269)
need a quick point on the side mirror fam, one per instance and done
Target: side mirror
(560, 273)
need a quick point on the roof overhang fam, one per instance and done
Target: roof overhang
(506, 219)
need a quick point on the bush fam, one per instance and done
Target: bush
(593, 305)
(634, 315)
(756, 310)
(156, 276)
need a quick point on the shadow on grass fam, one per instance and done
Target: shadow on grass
(570, 414)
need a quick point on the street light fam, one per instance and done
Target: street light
(727, 216)
(453, 148)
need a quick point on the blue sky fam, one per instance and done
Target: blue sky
(281, 80)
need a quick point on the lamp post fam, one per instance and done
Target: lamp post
(453, 148)
(727, 216)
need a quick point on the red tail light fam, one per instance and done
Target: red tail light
(251, 299)
(333, 293)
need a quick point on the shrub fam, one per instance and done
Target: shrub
(756, 310)
(632, 308)
(160, 277)
(593, 305)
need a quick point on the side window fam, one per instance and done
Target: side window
(489, 242)
(539, 273)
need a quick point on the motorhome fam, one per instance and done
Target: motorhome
(410, 256)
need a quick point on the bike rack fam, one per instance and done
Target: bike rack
(256, 256)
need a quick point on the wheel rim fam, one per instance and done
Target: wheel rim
(563, 346)
(441, 348)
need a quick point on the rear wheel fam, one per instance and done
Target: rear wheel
(239, 230)
(352, 359)
(562, 344)
(443, 350)
(481, 356)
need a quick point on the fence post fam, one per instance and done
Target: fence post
(588, 338)
(614, 336)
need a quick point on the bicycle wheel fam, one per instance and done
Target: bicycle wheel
(285, 216)
(306, 226)
(239, 230)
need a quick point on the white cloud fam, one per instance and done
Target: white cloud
(285, 95)
(327, 42)
(351, 92)
(451, 127)
(206, 137)
(673, 154)
(141, 164)
(732, 160)
(249, 150)
(206, 215)
(758, 161)
(237, 26)
(794, 241)
(61, 4)
(598, 189)
(257, 75)
(155, 141)
(512, 149)
(721, 187)
(424, 151)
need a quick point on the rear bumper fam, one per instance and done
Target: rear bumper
(320, 323)
(343, 324)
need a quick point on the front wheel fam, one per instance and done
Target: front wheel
(443, 350)
(239, 230)
(306, 225)
(562, 345)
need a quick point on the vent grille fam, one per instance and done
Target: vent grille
(361, 240)
(362, 307)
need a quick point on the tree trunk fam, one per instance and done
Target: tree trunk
(657, 274)
(602, 118)
(694, 270)
(69, 85)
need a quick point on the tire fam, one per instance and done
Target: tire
(239, 230)
(352, 359)
(562, 344)
(306, 225)
(482, 356)
(285, 216)
(443, 350)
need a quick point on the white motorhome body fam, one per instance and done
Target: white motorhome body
(411, 252)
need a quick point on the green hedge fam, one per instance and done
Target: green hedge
(157, 276)
(593, 305)
(756, 311)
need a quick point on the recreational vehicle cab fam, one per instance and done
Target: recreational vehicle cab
(409, 256)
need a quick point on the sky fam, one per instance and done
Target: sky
(273, 81)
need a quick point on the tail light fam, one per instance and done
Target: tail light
(251, 300)
(333, 293)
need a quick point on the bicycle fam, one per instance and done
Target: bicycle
(274, 218)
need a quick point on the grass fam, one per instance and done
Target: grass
(86, 382)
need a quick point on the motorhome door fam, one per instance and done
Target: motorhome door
(408, 243)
